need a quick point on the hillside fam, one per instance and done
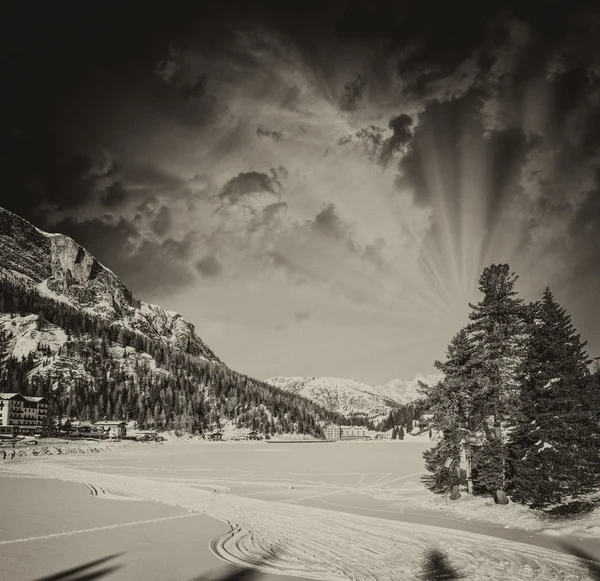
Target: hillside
(72, 331)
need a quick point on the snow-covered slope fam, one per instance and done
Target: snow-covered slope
(58, 267)
(404, 391)
(347, 397)
(343, 396)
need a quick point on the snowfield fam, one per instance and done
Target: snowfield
(273, 504)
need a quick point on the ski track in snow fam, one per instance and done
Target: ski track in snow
(95, 529)
(291, 539)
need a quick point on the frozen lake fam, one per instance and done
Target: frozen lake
(357, 480)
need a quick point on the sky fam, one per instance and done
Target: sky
(317, 186)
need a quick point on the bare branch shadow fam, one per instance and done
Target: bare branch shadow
(83, 573)
(438, 568)
(585, 559)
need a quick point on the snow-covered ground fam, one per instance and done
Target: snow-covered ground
(273, 494)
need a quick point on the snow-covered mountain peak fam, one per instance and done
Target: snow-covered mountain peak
(347, 396)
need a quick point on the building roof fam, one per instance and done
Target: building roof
(146, 432)
(110, 423)
(18, 395)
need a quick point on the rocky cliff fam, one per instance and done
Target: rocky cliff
(56, 266)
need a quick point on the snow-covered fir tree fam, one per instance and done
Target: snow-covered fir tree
(497, 330)
(555, 449)
(459, 408)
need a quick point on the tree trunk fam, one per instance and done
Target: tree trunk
(469, 470)
(455, 494)
(500, 497)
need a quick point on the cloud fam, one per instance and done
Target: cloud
(248, 183)
(161, 223)
(113, 195)
(209, 266)
(401, 135)
(328, 223)
(195, 89)
(167, 68)
(353, 93)
(302, 316)
(274, 135)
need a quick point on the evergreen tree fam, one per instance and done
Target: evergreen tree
(555, 448)
(401, 433)
(457, 409)
(497, 330)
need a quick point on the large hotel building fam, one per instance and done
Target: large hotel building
(20, 414)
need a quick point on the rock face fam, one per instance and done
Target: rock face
(55, 265)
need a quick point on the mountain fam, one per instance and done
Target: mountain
(56, 266)
(70, 330)
(404, 391)
(349, 397)
(341, 396)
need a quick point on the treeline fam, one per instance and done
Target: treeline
(518, 408)
(402, 416)
(181, 392)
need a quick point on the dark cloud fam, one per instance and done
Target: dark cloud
(401, 128)
(328, 223)
(209, 266)
(248, 183)
(301, 316)
(353, 93)
(113, 195)
(267, 217)
(194, 90)
(161, 223)
(119, 246)
(274, 135)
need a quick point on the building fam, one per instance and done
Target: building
(353, 432)
(146, 435)
(215, 437)
(335, 432)
(86, 430)
(387, 435)
(112, 428)
(20, 414)
(425, 419)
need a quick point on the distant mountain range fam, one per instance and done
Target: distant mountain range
(349, 397)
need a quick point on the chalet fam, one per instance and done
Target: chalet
(215, 437)
(86, 430)
(253, 436)
(112, 428)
